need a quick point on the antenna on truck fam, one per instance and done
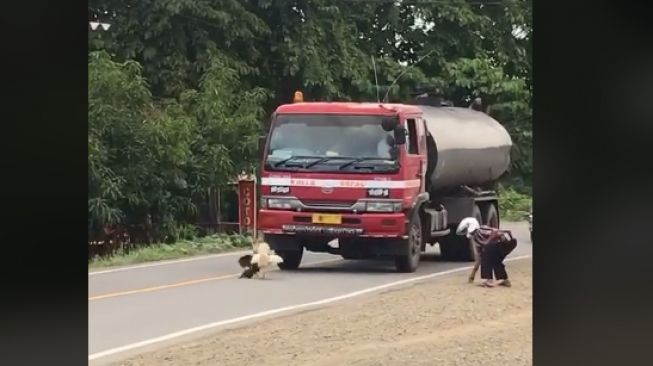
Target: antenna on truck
(376, 81)
(385, 97)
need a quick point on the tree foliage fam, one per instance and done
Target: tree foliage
(178, 89)
(153, 161)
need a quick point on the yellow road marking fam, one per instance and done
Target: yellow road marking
(180, 284)
(162, 287)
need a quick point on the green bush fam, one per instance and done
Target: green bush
(514, 205)
(207, 245)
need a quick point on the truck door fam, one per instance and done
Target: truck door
(415, 151)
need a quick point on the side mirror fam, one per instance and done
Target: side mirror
(394, 152)
(400, 135)
(390, 140)
(389, 123)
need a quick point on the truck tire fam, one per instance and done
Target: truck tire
(458, 248)
(491, 216)
(291, 259)
(347, 249)
(409, 262)
(287, 247)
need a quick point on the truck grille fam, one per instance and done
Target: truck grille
(323, 230)
(339, 204)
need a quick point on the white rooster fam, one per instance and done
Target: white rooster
(264, 257)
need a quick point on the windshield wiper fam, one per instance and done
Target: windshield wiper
(358, 160)
(320, 160)
(327, 158)
(276, 164)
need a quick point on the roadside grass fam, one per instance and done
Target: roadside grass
(514, 204)
(212, 244)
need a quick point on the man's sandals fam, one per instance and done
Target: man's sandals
(504, 283)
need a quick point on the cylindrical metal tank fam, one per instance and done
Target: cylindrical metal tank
(465, 147)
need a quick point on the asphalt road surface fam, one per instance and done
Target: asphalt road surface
(141, 308)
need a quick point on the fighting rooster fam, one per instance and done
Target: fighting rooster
(259, 262)
(246, 263)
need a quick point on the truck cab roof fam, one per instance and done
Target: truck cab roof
(347, 108)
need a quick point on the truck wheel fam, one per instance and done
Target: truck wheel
(348, 249)
(491, 217)
(458, 248)
(291, 259)
(287, 247)
(408, 263)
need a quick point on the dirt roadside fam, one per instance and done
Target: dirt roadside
(456, 324)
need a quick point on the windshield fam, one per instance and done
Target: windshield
(330, 142)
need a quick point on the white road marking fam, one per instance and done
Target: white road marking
(171, 261)
(200, 328)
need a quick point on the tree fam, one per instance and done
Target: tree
(153, 161)
(174, 40)
(178, 88)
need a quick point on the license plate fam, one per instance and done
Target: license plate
(327, 219)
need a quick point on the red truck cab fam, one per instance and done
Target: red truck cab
(351, 171)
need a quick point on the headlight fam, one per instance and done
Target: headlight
(381, 206)
(282, 203)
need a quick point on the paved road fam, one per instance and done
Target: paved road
(135, 305)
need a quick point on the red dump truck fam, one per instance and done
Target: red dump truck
(384, 179)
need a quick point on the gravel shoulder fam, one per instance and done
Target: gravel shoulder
(456, 324)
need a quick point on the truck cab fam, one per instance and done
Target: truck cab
(340, 170)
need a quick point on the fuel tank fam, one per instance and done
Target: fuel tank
(465, 147)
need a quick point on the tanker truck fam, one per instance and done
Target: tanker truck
(384, 179)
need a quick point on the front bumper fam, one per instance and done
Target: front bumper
(374, 225)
